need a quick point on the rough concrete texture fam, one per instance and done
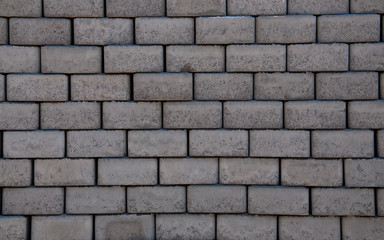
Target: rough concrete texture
(380, 202)
(246, 227)
(192, 115)
(39, 31)
(64, 172)
(286, 29)
(21, 8)
(185, 226)
(14, 59)
(318, 7)
(314, 228)
(223, 86)
(347, 86)
(367, 6)
(39, 87)
(62, 227)
(380, 139)
(163, 87)
(93, 31)
(73, 8)
(164, 30)
(355, 228)
(2, 87)
(100, 87)
(366, 114)
(179, 171)
(196, 8)
(3, 30)
(275, 200)
(314, 173)
(96, 200)
(19, 116)
(130, 171)
(279, 143)
(172, 143)
(134, 8)
(13, 228)
(257, 171)
(225, 30)
(207, 143)
(33, 201)
(216, 199)
(256, 58)
(69, 59)
(364, 172)
(343, 202)
(367, 56)
(195, 58)
(156, 199)
(15, 173)
(257, 7)
(284, 86)
(120, 227)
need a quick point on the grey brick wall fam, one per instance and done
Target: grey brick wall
(191, 119)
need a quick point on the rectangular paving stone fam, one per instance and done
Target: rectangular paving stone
(15, 173)
(364, 172)
(367, 6)
(19, 116)
(73, 8)
(3, 31)
(367, 114)
(367, 57)
(21, 8)
(257, 7)
(355, 228)
(134, 8)
(380, 143)
(13, 228)
(318, 7)
(15, 59)
(196, 8)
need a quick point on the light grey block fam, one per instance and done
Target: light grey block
(3, 30)
(318, 7)
(156, 199)
(257, 7)
(367, 6)
(364, 172)
(14, 59)
(367, 114)
(367, 57)
(256, 58)
(21, 8)
(15, 173)
(216, 199)
(95, 200)
(196, 8)
(286, 29)
(134, 8)
(355, 228)
(19, 116)
(73, 8)
(40, 31)
(13, 228)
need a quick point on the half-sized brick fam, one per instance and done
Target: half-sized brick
(279, 143)
(156, 199)
(223, 86)
(318, 7)
(64, 172)
(96, 143)
(164, 30)
(37, 87)
(191, 226)
(284, 86)
(347, 86)
(253, 115)
(71, 59)
(342, 144)
(62, 227)
(367, 6)
(163, 87)
(355, 228)
(15, 173)
(349, 28)
(249, 171)
(73, 8)
(103, 31)
(157, 143)
(306, 172)
(131, 115)
(42, 144)
(367, 57)
(95, 200)
(196, 7)
(3, 30)
(100, 87)
(246, 227)
(364, 172)
(188, 171)
(256, 58)
(286, 29)
(217, 199)
(278, 200)
(225, 30)
(195, 58)
(134, 8)
(130, 59)
(21, 8)
(315, 115)
(257, 7)
(192, 115)
(13, 228)
(368, 114)
(124, 227)
(33, 201)
(39, 31)
(318, 57)
(206, 143)
(341, 202)
(127, 171)
(14, 59)
(309, 228)
(19, 116)
(70, 115)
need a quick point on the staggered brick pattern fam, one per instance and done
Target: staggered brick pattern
(191, 119)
